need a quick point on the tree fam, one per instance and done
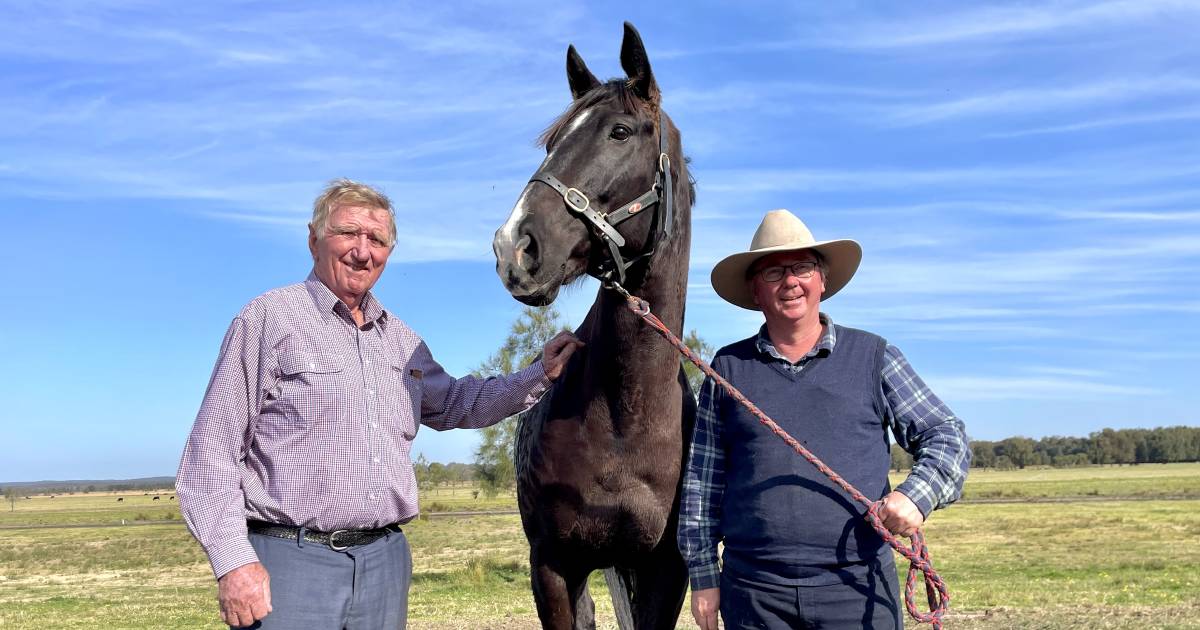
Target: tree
(10, 493)
(983, 454)
(421, 472)
(1019, 450)
(494, 458)
(437, 475)
(703, 350)
(901, 460)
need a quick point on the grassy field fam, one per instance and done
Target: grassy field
(1082, 560)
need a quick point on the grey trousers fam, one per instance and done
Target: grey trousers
(316, 588)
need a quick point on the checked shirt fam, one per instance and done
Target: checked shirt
(308, 420)
(920, 422)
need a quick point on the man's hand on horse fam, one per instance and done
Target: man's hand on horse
(900, 515)
(245, 595)
(556, 353)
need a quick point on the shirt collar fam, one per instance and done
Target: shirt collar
(328, 303)
(823, 348)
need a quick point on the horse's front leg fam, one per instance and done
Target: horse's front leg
(561, 594)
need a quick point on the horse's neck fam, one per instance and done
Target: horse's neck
(628, 345)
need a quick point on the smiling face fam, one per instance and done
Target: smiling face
(791, 301)
(350, 256)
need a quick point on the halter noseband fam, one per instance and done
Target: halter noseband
(601, 224)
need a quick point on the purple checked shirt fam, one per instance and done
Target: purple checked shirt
(308, 420)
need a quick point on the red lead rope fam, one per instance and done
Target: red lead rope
(918, 554)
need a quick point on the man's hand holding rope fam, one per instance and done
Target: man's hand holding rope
(899, 514)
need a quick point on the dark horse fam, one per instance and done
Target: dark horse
(599, 458)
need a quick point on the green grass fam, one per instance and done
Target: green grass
(1142, 481)
(1074, 564)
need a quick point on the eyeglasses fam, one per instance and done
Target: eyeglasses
(803, 270)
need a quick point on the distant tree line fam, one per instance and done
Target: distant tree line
(73, 487)
(431, 475)
(1108, 446)
(493, 466)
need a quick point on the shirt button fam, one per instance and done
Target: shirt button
(367, 362)
(374, 425)
(371, 496)
(312, 366)
(374, 460)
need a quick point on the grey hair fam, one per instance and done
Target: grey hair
(344, 191)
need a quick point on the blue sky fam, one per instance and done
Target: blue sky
(1024, 180)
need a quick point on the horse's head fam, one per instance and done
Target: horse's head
(601, 154)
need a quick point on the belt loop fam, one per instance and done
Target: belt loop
(300, 537)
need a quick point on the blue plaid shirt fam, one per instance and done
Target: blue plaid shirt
(922, 424)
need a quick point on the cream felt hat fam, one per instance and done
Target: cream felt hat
(782, 231)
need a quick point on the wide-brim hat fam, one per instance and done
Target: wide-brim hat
(782, 231)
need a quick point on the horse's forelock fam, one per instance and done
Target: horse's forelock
(617, 89)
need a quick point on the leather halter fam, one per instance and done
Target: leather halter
(601, 224)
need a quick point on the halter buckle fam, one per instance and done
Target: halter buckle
(574, 203)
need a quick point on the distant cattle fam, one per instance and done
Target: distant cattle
(120, 499)
(172, 497)
(52, 496)
(156, 497)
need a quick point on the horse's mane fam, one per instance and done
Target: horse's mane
(616, 88)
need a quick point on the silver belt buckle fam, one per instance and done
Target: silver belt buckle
(334, 546)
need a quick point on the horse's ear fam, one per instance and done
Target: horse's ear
(579, 77)
(637, 65)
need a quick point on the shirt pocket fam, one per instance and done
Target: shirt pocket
(409, 387)
(311, 388)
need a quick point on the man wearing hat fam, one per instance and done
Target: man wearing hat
(798, 552)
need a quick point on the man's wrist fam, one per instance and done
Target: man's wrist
(705, 577)
(231, 556)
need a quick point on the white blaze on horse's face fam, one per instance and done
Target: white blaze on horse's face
(575, 124)
(508, 235)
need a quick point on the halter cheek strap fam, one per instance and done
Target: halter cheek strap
(661, 195)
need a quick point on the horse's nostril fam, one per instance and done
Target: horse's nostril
(527, 253)
(531, 249)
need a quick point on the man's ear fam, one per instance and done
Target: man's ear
(312, 241)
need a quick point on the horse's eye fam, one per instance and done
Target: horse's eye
(620, 133)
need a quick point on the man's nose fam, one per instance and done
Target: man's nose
(362, 248)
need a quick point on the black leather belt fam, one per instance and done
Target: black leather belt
(339, 540)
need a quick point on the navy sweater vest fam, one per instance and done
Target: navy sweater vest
(782, 520)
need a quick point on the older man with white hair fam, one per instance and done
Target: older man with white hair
(798, 552)
(297, 476)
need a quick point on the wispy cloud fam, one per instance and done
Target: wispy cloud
(742, 95)
(1189, 216)
(1105, 122)
(1066, 371)
(745, 181)
(1043, 99)
(1004, 23)
(1016, 388)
